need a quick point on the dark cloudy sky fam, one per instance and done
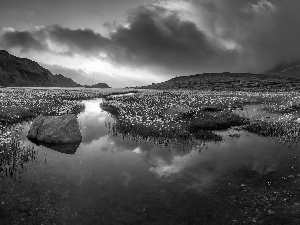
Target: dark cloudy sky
(143, 41)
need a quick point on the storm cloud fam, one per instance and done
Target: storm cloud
(207, 36)
(157, 37)
(20, 39)
(153, 38)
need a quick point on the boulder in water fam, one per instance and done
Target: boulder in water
(55, 129)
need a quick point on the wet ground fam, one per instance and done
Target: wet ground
(245, 179)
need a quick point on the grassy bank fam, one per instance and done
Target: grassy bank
(186, 114)
(169, 115)
(285, 132)
(14, 155)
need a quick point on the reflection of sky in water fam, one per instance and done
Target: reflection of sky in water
(92, 121)
(109, 170)
(249, 151)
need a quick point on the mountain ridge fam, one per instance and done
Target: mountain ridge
(286, 69)
(24, 72)
(230, 81)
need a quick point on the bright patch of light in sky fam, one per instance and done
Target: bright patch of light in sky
(7, 29)
(56, 47)
(90, 66)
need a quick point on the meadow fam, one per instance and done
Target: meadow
(188, 114)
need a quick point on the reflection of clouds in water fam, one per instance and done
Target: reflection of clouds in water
(164, 169)
(199, 170)
(92, 122)
(137, 150)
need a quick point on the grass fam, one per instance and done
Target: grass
(285, 132)
(216, 121)
(283, 109)
(170, 115)
(13, 154)
(184, 114)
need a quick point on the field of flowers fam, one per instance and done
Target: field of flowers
(189, 114)
(17, 105)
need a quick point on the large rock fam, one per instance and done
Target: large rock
(55, 129)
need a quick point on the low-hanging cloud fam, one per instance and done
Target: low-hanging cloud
(247, 36)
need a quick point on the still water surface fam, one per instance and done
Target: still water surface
(116, 180)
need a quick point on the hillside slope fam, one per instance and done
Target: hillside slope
(286, 69)
(19, 72)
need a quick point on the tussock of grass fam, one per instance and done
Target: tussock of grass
(13, 155)
(216, 121)
(282, 131)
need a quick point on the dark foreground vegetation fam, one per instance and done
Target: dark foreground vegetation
(13, 154)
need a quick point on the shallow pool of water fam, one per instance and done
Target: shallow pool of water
(115, 180)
